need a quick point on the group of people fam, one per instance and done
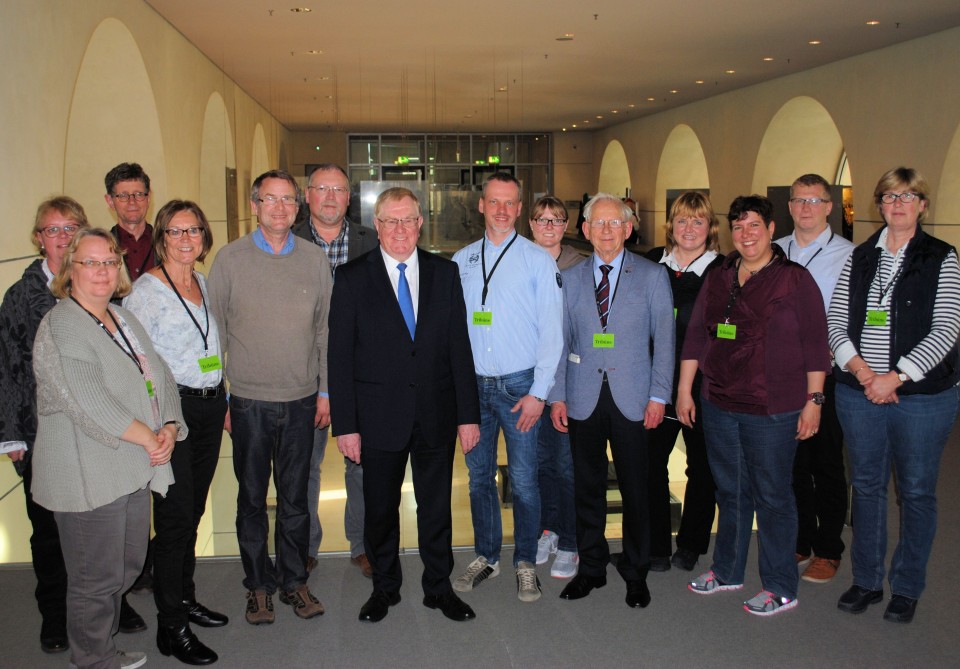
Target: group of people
(108, 403)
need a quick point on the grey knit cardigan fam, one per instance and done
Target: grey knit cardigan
(88, 394)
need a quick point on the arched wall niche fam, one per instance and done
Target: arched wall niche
(614, 172)
(683, 165)
(106, 128)
(217, 164)
(945, 216)
(259, 163)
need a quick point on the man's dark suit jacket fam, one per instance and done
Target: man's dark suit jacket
(382, 382)
(360, 239)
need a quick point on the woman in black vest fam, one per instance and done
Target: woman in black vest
(894, 320)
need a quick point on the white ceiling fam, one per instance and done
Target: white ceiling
(495, 65)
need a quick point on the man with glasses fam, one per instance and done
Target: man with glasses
(270, 295)
(514, 310)
(819, 482)
(402, 387)
(613, 383)
(128, 196)
(328, 195)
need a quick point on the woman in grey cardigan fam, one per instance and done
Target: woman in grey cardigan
(109, 415)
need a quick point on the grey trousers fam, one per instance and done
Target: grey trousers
(103, 551)
(352, 510)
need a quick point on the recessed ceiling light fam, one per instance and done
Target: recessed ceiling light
(329, 97)
(586, 120)
(564, 130)
(574, 125)
(599, 116)
(323, 78)
(814, 42)
(613, 111)
(502, 89)
(566, 37)
(767, 59)
(698, 81)
(314, 52)
(631, 106)
(873, 23)
(301, 10)
(674, 90)
(730, 71)
(651, 99)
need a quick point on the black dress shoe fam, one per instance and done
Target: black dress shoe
(581, 585)
(685, 559)
(183, 644)
(638, 595)
(659, 563)
(202, 616)
(53, 637)
(452, 606)
(378, 606)
(900, 609)
(130, 620)
(857, 599)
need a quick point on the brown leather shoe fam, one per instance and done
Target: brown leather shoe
(259, 608)
(304, 604)
(364, 564)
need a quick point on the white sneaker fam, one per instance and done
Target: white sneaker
(565, 566)
(477, 572)
(546, 546)
(528, 585)
(131, 659)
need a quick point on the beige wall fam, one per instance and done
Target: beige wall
(91, 84)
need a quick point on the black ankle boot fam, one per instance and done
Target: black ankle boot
(183, 644)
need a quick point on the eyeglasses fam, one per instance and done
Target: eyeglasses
(176, 233)
(550, 222)
(684, 222)
(55, 230)
(90, 263)
(273, 200)
(336, 190)
(124, 197)
(812, 201)
(403, 222)
(890, 198)
(599, 223)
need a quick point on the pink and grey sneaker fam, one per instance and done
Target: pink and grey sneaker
(707, 583)
(765, 603)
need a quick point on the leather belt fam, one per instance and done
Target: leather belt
(204, 393)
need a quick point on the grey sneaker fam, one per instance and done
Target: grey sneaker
(304, 604)
(765, 603)
(478, 572)
(565, 566)
(528, 585)
(546, 546)
(707, 583)
(259, 607)
(131, 659)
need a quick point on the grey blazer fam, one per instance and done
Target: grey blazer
(640, 365)
(360, 239)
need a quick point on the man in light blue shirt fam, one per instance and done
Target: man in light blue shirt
(514, 309)
(819, 483)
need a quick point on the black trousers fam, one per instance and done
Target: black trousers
(820, 484)
(628, 443)
(699, 500)
(51, 592)
(176, 516)
(383, 473)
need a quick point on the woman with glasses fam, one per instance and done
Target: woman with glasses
(558, 516)
(894, 320)
(25, 304)
(108, 419)
(691, 252)
(171, 302)
(758, 334)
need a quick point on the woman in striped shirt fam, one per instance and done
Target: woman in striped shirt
(893, 325)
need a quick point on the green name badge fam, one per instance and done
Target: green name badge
(876, 317)
(210, 363)
(674, 313)
(603, 340)
(726, 331)
(483, 318)
(150, 392)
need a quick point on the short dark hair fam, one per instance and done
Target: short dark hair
(811, 180)
(273, 174)
(162, 222)
(126, 172)
(744, 204)
(502, 177)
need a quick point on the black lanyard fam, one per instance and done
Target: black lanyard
(483, 265)
(893, 279)
(686, 269)
(129, 352)
(203, 302)
(790, 250)
(734, 293)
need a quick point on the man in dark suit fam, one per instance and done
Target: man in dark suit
(327, 226)
(613, 382)
(402, 383)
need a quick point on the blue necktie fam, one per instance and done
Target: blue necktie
(406, 302)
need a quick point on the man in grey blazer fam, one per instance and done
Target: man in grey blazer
(614, 379)
(328, 194)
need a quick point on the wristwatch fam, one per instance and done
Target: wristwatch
(903, 377)
(816, 398)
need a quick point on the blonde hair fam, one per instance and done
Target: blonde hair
(63, 281)
(696, 204)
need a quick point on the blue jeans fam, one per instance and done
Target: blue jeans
(313, 490)
(278, 434)
(497, 396)
(558, 513)
(751, 457)
(910, 436)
